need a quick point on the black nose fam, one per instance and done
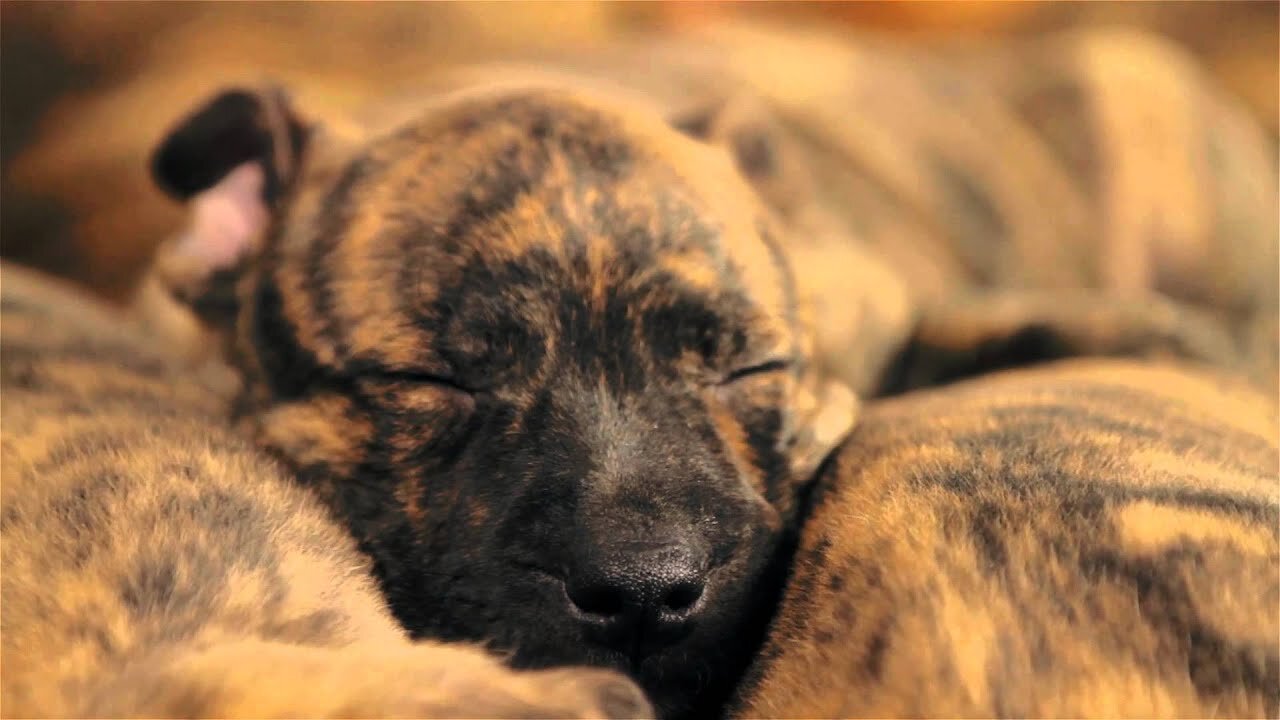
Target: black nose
(638, 599)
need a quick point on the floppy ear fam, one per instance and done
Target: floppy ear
(235, 127)
(828, 411)
(230, 160)
(825, 407)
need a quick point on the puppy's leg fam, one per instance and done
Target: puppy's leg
(982, 332)
(252, 678)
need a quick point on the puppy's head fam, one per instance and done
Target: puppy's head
(539, 350)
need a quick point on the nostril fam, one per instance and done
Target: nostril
(602, 600)
(683, 596)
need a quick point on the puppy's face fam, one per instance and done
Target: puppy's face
(541, 353)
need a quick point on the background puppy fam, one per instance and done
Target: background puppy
(1090, 539)
(155, 566)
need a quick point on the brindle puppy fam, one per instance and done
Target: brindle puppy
(154, 565)
(539, 351)
(543, 353)
(1095, 539)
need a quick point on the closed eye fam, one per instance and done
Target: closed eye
(417, 378)
(771, 366)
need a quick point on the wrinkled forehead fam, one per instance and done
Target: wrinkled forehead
(512, 206)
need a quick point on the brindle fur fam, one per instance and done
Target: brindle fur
(1093, 539)
(480, 333)
(154, 565)
(925, 191)
(506, 322)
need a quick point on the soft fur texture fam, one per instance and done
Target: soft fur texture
(520, 332)
(509, 329)
(154, 565)
(1091, 539)
(939, 198)
(527, 327)
(516, 338)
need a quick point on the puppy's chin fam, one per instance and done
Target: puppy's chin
(692, 679)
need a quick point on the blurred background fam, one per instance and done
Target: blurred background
(86, 88)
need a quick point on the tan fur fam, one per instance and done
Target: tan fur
(937, 228)
(1091, 539)
(155, 566)
(404, 259)
(1098, 159)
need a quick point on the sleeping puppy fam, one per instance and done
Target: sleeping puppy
(544, 353)
(540, 352)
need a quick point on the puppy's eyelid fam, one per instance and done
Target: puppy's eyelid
(418, 378)
(769, 366)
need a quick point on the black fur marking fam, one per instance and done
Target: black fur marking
(330, 227)
(290, 369)
(682, 325)
(209, 143)
(500, 180)
(485, 339)
(877, 646)
(764, 431)
(601, 343)
(152, 586)
(986, 522)
(215, 300)
(1167, 602)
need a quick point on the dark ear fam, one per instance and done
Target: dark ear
(235, 127)
(229, 161)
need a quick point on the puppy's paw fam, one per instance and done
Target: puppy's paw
(425, 680)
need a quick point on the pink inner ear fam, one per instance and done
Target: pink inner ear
(226, 219)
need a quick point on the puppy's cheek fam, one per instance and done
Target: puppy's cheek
(318, 432)
(752, 418)
(737, 411)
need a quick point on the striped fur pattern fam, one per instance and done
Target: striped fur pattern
(155, 565)
(505, 325)
(523, 325)
(1012, 176)
(1087, 539)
